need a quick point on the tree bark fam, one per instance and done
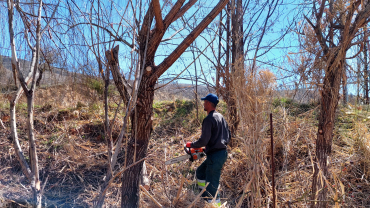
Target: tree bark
(35, 183)
(41, 72)
(237, 63)
(366, 74)
(141, 123)
(329, 102)
(218, 73)
(345, 89)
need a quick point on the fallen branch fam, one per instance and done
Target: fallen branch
(150, 196)
(179, 191)
(2, 124)
(245, 191)
(115, 176)
(199, 195)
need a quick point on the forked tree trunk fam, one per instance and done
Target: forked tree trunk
(32, 171)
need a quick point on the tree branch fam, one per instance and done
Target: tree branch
(160, 69)
(121, 83)
(319, 35)
(361, 17)
(15, 63)
(51, 18)
(184, 9)
(167, 39)
(321, 11)
(108, 31)
(148, 19)
(173, 12)
(158, 15)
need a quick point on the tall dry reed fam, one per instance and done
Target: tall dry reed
(253, 93)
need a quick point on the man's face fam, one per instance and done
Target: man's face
(206, 105)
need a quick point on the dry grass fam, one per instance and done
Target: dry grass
(72, 153)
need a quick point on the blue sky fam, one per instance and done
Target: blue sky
(196, 14)
(287, 14)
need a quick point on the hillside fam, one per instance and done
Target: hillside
(72, 153)
(55, 76)
(59, 76)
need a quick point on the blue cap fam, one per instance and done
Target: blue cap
(211, 98)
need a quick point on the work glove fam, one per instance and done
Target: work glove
(188, 144)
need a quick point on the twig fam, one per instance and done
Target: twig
(200, 194)
(150, 196)
(118, 174)
(2, 124)
(179, 191)
(245, 191)
(43, 187)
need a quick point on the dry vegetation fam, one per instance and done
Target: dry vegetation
(72, 152)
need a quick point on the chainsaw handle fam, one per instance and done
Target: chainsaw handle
(194, 152)
(187, 150)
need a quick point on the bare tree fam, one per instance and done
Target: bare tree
(139, 97)
(49, 58)
(335, 24)
(32, 24)
(242, 45)
(141, 122)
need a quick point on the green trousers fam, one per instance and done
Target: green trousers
(210, 171)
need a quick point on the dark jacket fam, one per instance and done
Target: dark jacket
(215, 133)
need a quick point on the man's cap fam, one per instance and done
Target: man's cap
(211, 98)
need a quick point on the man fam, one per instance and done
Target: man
(215, 137)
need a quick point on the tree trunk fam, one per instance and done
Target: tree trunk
(329, 103)
(41, 71)
(13, 129)
(108, 132)
(237, 69)
(141, 123)
(35, 183)
(366, 74)
(218, 72)
(345, 89)
(358, 73)
(196, 83)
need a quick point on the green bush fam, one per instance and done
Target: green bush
(183, 107)
(94, 107)
(80, 105)
(294, 107)
(21, 106)
(97, 85)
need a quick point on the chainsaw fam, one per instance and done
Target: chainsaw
(191, 154)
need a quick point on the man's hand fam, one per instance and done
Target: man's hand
(188, 144)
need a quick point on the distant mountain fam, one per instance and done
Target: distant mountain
(175, 91)
(171, 91)
(55, 76)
